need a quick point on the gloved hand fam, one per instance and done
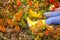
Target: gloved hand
(53, 17)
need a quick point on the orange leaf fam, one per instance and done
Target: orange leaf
(46, 32)
(3, 29)
(9, 21)
(17, 28)
(29, 2)
(0, 28)
(18, 15)
(19, 3)
(1, 21)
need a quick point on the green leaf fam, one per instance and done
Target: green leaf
(24, 2)
(59, 37)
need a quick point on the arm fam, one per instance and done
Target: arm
(53, 20)
(52, 14)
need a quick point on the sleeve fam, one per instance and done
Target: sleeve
(53, 20)
(52, 14)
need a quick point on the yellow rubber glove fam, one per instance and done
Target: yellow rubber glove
(34, 14)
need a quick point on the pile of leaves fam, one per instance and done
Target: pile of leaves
(14, 13)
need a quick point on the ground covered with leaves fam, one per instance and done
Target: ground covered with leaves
(13, 20)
